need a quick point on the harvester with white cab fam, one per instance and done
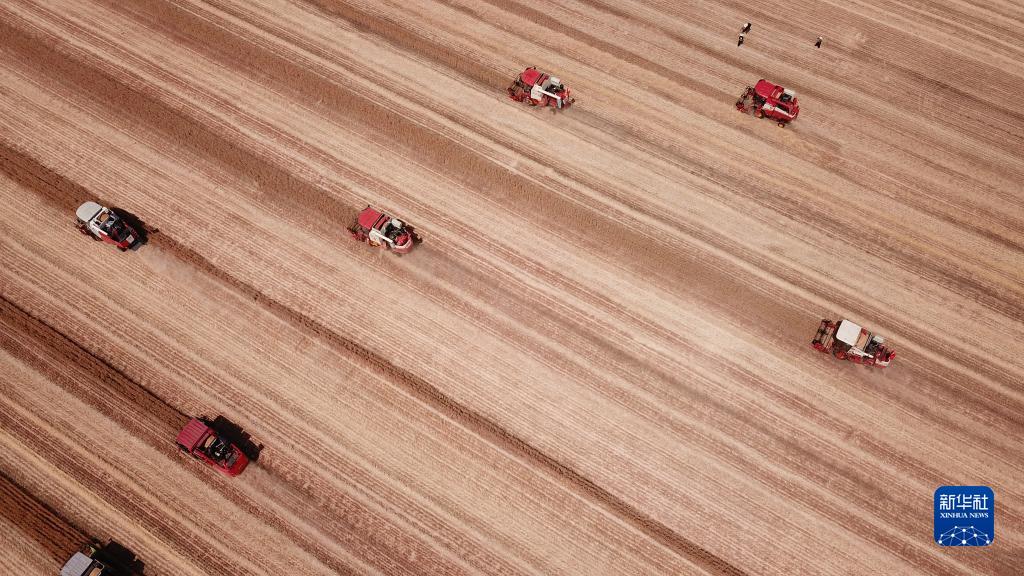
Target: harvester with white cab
(848, 341)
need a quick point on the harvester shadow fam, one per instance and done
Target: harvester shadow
(141, 229)
(415, 237)
(234, 434)
(119, 560)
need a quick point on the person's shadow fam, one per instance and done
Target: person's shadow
(119, 560)
(137, 224)
(234, 434)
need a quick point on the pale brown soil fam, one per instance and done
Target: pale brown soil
(598, 360)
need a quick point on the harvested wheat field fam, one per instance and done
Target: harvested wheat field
(598, 360)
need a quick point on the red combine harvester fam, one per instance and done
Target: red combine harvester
(103, 224)
(539, 89)
(769, 100)
(201, 442)
(378, 229)
(848, 341)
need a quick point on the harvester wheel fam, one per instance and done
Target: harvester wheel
(782, 124)
(759, 113)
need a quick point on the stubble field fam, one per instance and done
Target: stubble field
(597, 361)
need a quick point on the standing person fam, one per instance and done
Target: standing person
(740, 43)
(818, 43)
(746, 28)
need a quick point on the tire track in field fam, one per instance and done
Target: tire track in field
(44, 525)
(97, 382)
(400, 36)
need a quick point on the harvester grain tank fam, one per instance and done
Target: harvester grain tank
(848, 341)
(104, 224)
(378, 229)
(200, 441)
(538, 88)
(767, 100)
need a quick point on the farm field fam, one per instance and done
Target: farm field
(598, 360)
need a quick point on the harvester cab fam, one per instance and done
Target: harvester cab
(203, 443)
(539, 89)
(217, 448)
(848, 341)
